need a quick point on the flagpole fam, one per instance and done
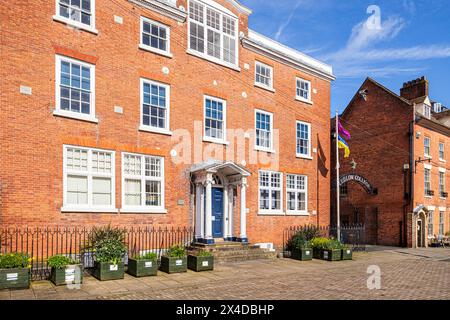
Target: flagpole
(338, 195)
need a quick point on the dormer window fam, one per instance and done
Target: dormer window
(212, 33)
(427, 111)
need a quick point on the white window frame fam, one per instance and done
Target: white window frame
(270, 188)
(427, 155)
(299, 155)
(430, 224)
(297, 212)
(262, 85)
(143, 46)
(143, 208)
(442, 184)
(441, 222)
(425, 181)
(76, 24)
(204, 54)
(89, 207)
(442, 144)
(271, 147)
(69, 114)
(427, 111)
(300, 98)
(149, 128)
(210, 139)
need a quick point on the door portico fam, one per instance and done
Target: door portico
(216, 184)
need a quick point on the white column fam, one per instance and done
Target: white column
(243, 235)
(208, 207)
(226, 213)
(199, 211)
(230, 212)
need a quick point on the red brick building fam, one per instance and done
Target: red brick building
(169, 113)
(395, 181)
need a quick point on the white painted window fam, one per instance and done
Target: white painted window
(155, 36)
(263, 75)
(263, 130)
(441, 183)
(270, 192)
(303, 90)
(212, 32)
(427, 111)
(303, 137)
(88, 179)
(427, 146)
(75, 89)
(427, 178)
(142, 183)
(296, 194)
(78, 13)
(431, 223)
(215, 119)
(155, 106)
(441, 151)
(441, 222)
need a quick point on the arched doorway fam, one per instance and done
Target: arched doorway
(419, 225)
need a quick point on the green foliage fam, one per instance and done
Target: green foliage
(334, 244)
(14, 260)
(60, 262)
(108, 245)
(147, 256)
(302, 239)
(176, 251)
(204, 253)
(319, 243)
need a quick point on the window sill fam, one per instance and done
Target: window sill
(217, 141)
(298, 213)
(216, 61)
(88, 210)
(261, 86)
(265, 150)
(271, 213)
(428, 157)
(73, 115)
(75, 24)
(300, 156)
(157, 51)
(143, 210)
(304, 100)
(428, 197)
(442, 160)
(155, 130)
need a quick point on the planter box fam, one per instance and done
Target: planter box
(142, 268)
(15, 278)
(72, 274)
(331, 255)
(173, 265)
(108, 271)
(200, 263)
(317, 253)
(347, 254)
(302, 254)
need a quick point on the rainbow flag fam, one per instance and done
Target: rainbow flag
(343, 145)
(344, 133)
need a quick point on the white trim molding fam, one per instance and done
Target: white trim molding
(162, 8)
(149, 48)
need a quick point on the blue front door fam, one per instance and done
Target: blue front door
(217, 212)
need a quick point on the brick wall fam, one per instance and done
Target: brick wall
(33, 138)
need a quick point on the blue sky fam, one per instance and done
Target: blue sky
(411, 39)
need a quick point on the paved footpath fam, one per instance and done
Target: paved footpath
(405, 274)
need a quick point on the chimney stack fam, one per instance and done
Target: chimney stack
(415, 89)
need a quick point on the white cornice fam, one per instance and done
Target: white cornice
(241, 8)
(283, 54)
(162, 8)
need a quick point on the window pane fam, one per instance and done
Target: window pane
(77, 191)
(154, 108)
(153, 193)
(101, 188)
(132, 192)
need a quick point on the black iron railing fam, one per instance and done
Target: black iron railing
(42, 243)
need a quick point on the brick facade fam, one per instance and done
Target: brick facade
(31, 171)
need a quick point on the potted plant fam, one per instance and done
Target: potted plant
(332, 250)
(201, 261)
(143, 265)
(174, 260)
(14, 271)
(318, 244)
(347, 253)
(65, 270)
(108, 246)
(300, 247)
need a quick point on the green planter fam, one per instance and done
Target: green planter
(72, 274)
(302, 254)
(331, 255)
(142, 268)
(173, 265)
(317, 253)
(18, 278)
(347, 254)
(107, 271)
(198, 264)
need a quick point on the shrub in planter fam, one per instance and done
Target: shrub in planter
(143, 265)
(65, 270)
(202, 261)
(347, 253)
(109, 249)
(14, 271)
(318, 245)
(299, 245)
(332, 250)
(174, 261)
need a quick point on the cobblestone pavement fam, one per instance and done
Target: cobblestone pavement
(406, 274)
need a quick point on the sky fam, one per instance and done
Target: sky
(392, 41)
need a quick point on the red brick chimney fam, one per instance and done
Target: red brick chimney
(415, 89)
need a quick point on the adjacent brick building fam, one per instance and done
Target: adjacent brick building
(396, 141)
(126, 112)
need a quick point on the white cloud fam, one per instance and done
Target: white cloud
(288, 21)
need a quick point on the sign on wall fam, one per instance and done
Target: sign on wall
(359, 179)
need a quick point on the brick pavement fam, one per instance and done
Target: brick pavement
(407, 274)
